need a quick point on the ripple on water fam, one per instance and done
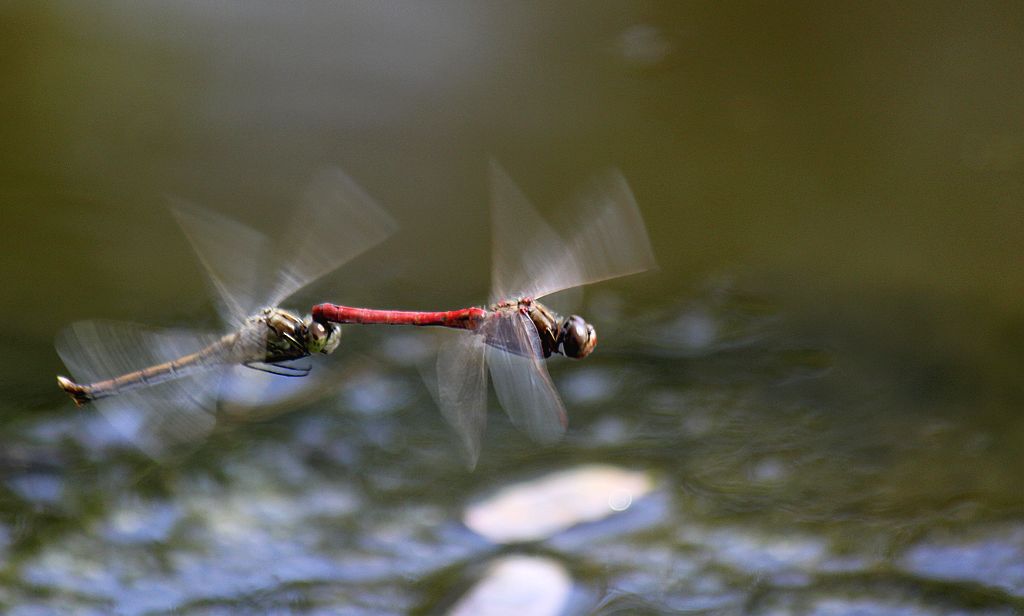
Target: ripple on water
(373, 393)
(407, 349)
(256, 536)
(420, 539)
(589, 386)
(90, 430)
(76, 567)
(693, 331)
(136, 521)
(606, 430)
(56, 606)
(758, 554)
(787, 605)
(42, 489)
(991, 557)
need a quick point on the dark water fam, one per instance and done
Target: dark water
(821, 386)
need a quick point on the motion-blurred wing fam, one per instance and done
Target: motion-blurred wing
(522, 242)
(521, 379)
(610, 239)
(232, 254)
(252, 395)
(159, 417)
(461, 390)
(530, 260)
(335, 221)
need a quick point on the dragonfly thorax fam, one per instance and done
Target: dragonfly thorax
(546, 323)
(293, 338)
(572, 336)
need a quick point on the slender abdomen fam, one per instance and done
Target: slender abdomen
(215, 354)
(466, 318)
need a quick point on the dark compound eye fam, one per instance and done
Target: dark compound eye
(577, 337)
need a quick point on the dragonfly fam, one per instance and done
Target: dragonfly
(161, 388)
(515, 332)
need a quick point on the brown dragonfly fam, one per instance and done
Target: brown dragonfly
(161, 388)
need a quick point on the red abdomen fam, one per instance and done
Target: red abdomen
(466, 318)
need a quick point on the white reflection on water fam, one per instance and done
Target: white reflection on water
(518, 585)
(542, 507)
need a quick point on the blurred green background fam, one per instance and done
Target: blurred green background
(852, 175)
(842, 156)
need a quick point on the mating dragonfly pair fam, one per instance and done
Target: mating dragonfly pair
(162, 388)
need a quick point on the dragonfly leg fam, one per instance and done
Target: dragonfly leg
(290, 338)
(278, 369)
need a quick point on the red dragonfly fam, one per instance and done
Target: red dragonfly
(516, 332)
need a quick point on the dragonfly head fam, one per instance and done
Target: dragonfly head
(322, 337)
(576, 337)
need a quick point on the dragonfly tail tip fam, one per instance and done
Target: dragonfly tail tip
(79, 394)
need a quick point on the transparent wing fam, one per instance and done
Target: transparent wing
(335, 221)
(159, 417)
(521, 379)
(522, 242)
(251, 395)
(609, 239)
(232, 254)
(460, 390)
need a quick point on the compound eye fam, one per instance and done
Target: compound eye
(316, 332)
(577, 337)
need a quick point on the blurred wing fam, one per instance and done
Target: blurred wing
(335, 222)
(609, 239)
(232, 254)
(156, 418)
(252, 395)
(521, 379)
(523, 243)
(460, 390)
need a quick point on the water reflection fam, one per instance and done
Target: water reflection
(763, 502)
(519, 585)
(536, 510)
